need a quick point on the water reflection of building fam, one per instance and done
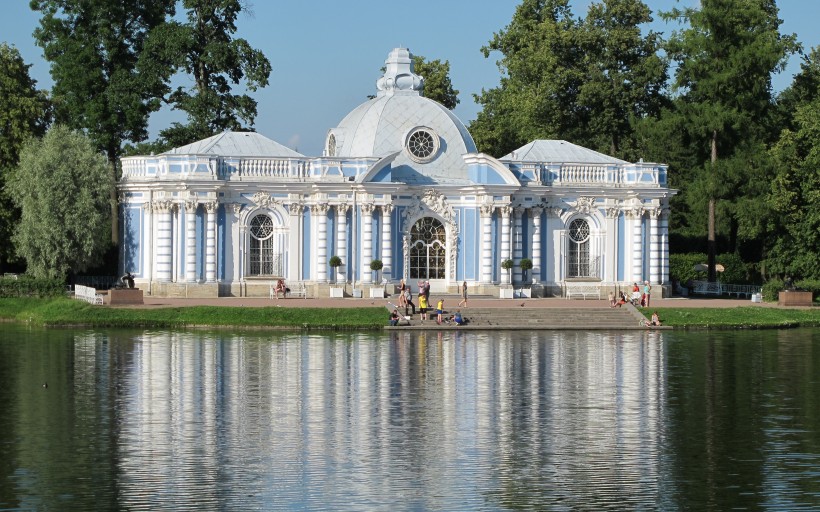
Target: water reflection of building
(299, 414)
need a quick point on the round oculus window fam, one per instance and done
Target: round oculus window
(261, 227)
(422, 145)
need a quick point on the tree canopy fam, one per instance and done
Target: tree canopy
(62, 187)
(24, 113)
(437, 84)
(588, 80)
(205, 49)
(725, 59)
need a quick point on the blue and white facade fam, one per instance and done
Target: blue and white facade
(400, 181)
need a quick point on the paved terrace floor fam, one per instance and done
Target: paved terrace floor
(450, 302)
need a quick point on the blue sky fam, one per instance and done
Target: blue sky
(326, 55)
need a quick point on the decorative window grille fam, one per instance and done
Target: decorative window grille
(579, 249)
(264, 261)
(422, 145)
(428, 250)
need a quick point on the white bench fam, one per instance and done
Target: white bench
(87, 294)
(298, 290)
(583, 290)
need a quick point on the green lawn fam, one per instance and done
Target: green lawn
(53, 312)
(740, 317)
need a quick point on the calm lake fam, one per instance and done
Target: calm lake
(226, 420)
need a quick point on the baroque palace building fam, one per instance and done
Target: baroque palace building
(400, 180)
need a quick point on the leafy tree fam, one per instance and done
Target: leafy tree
(437, 84)
(539, 82)
(62, 187)
(100, 84)
(24, 113)
(586, 80)
(625, 77)
(794, 198)
(725, 59)
(205, 49)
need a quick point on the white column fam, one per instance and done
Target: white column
(236, 249)
(367, 242)
(164, 240)
(536, 243)
(655, 256)
(518, 243)
(637, 246)
(210, 241)
(611, 244)
(320, 211)
(294, 242)
(190, 240)
(387, 242)
(341, 241)
(148, 250)
(506, 249)
(664, 241)
(487, 243)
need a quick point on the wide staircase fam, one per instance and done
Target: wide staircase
(528, 318)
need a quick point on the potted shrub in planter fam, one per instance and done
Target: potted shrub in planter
(506, 290)
(335, 262)
(507, 265)
(525, 264)
(376, 266)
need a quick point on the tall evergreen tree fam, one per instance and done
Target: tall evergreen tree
(205, 49)
(94, 47)
(24, 113)
(725, 59)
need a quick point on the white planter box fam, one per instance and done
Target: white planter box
(523, 293)
(337, 292)
(377, 293)
(357, 293)
(505, 293)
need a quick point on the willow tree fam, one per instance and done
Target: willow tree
(62, 187)
(725, 60)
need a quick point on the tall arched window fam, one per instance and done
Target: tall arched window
(264, 261)
(579, 249)
(428, 250)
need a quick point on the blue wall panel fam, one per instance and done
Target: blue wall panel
(132, 240)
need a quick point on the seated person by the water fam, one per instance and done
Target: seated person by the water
(458, 319)
(394, 318)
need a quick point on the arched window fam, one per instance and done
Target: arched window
(579, 249)
(263, 258)
(428, 250)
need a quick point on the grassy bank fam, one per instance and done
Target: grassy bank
(67, 312)
(737, 318)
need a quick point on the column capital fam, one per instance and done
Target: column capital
(612, 213)
(387, 209)
(211, 206)
(163, 206)
(486, 210)
(634, 213)
(506, 210)
(191, 205)
(319, 209)
(295, 208)
(654, 213)
(342, 208)
(536, 212)
(235, 208)
(554, 211)
(518, 211)
(368, 208)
